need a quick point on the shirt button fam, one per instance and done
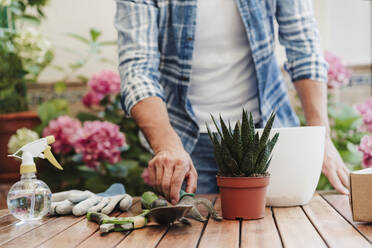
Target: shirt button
(189, 38)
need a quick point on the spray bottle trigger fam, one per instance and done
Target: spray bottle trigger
(49, 155)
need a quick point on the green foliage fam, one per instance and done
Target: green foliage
(12, 84)
(51, 110)
(13, 90)
(241, 152)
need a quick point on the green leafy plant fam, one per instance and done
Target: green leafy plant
(242, 152)
(24, 53)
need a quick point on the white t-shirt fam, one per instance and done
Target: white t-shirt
(223, 79)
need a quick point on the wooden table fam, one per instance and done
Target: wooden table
(324, 222)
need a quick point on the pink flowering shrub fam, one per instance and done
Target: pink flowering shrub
(365, 109)
(100, 141)
(146, 176)
(338, 73)
(366, 147)
(92, 98)
(106, 82)
(66, 131)
(101, 84)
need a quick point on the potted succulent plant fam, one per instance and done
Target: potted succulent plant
(243, 158)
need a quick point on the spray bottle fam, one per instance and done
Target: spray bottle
(30, 198)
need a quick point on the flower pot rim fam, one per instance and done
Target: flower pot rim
(19, 115)
(239, 178)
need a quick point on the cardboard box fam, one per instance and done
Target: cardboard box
(361, 195)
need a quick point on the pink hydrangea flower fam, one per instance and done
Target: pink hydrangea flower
(365, 109)
(338, 73)
(106, 82)
(92, 98)
(366, 147)
(100, 141)
(145, 176)
(66, 131)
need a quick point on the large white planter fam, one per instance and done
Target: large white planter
(296, 165)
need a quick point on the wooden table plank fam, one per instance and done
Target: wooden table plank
(221, 234)
(144, 237)
(335, 230)
(113, 238)
(42, 233)
(295, 228)
(7, 220)
(4, 212)
(13, 231)
(260, 233)
(184, 235)
(341, 204)
(75, 234)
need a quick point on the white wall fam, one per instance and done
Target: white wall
(345, 28)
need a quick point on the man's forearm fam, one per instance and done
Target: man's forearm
(313, 95)
(152, 118)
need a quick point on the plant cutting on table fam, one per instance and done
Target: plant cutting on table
(243, 158)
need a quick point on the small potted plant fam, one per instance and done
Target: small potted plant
(243, 158)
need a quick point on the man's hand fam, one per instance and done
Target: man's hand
(313, 97)
(334, 168)
(171, 164)
(167, 171)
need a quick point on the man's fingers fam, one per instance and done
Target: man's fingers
(152, 172)
(335, 181)
(192, 179)
(177, 180)
(166, 182)
(344, 177)
(159, 176)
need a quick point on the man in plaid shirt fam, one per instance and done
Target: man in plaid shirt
(183, 59)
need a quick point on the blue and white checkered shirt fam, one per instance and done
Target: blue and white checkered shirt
(156, 39)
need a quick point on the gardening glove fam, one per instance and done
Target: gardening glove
(80, 202)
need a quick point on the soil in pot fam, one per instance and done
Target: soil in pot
(243, 197)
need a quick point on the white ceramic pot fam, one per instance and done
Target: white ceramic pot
(296, 165)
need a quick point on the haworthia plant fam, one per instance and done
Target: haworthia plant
(241, 152)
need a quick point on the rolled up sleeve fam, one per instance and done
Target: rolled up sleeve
(298, 33)
(136, 23)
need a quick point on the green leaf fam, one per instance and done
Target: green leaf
(245, 132)
(227, 137)
(266, 131)
(94, 34)
(86, 116)
(78, 37)
(237, 144)
(218, 152)
(234, 168)
(50, 110)
(109, 43)
(60, 87)
(29, 18)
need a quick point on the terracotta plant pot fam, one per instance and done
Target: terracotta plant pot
(243, 197)
(9, 124)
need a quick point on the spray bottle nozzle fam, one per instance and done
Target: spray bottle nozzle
(38, 148)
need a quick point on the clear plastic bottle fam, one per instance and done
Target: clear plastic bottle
(29, 198)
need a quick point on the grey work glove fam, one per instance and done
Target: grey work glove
(79, 202)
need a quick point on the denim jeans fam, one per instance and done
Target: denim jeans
(205, 164)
